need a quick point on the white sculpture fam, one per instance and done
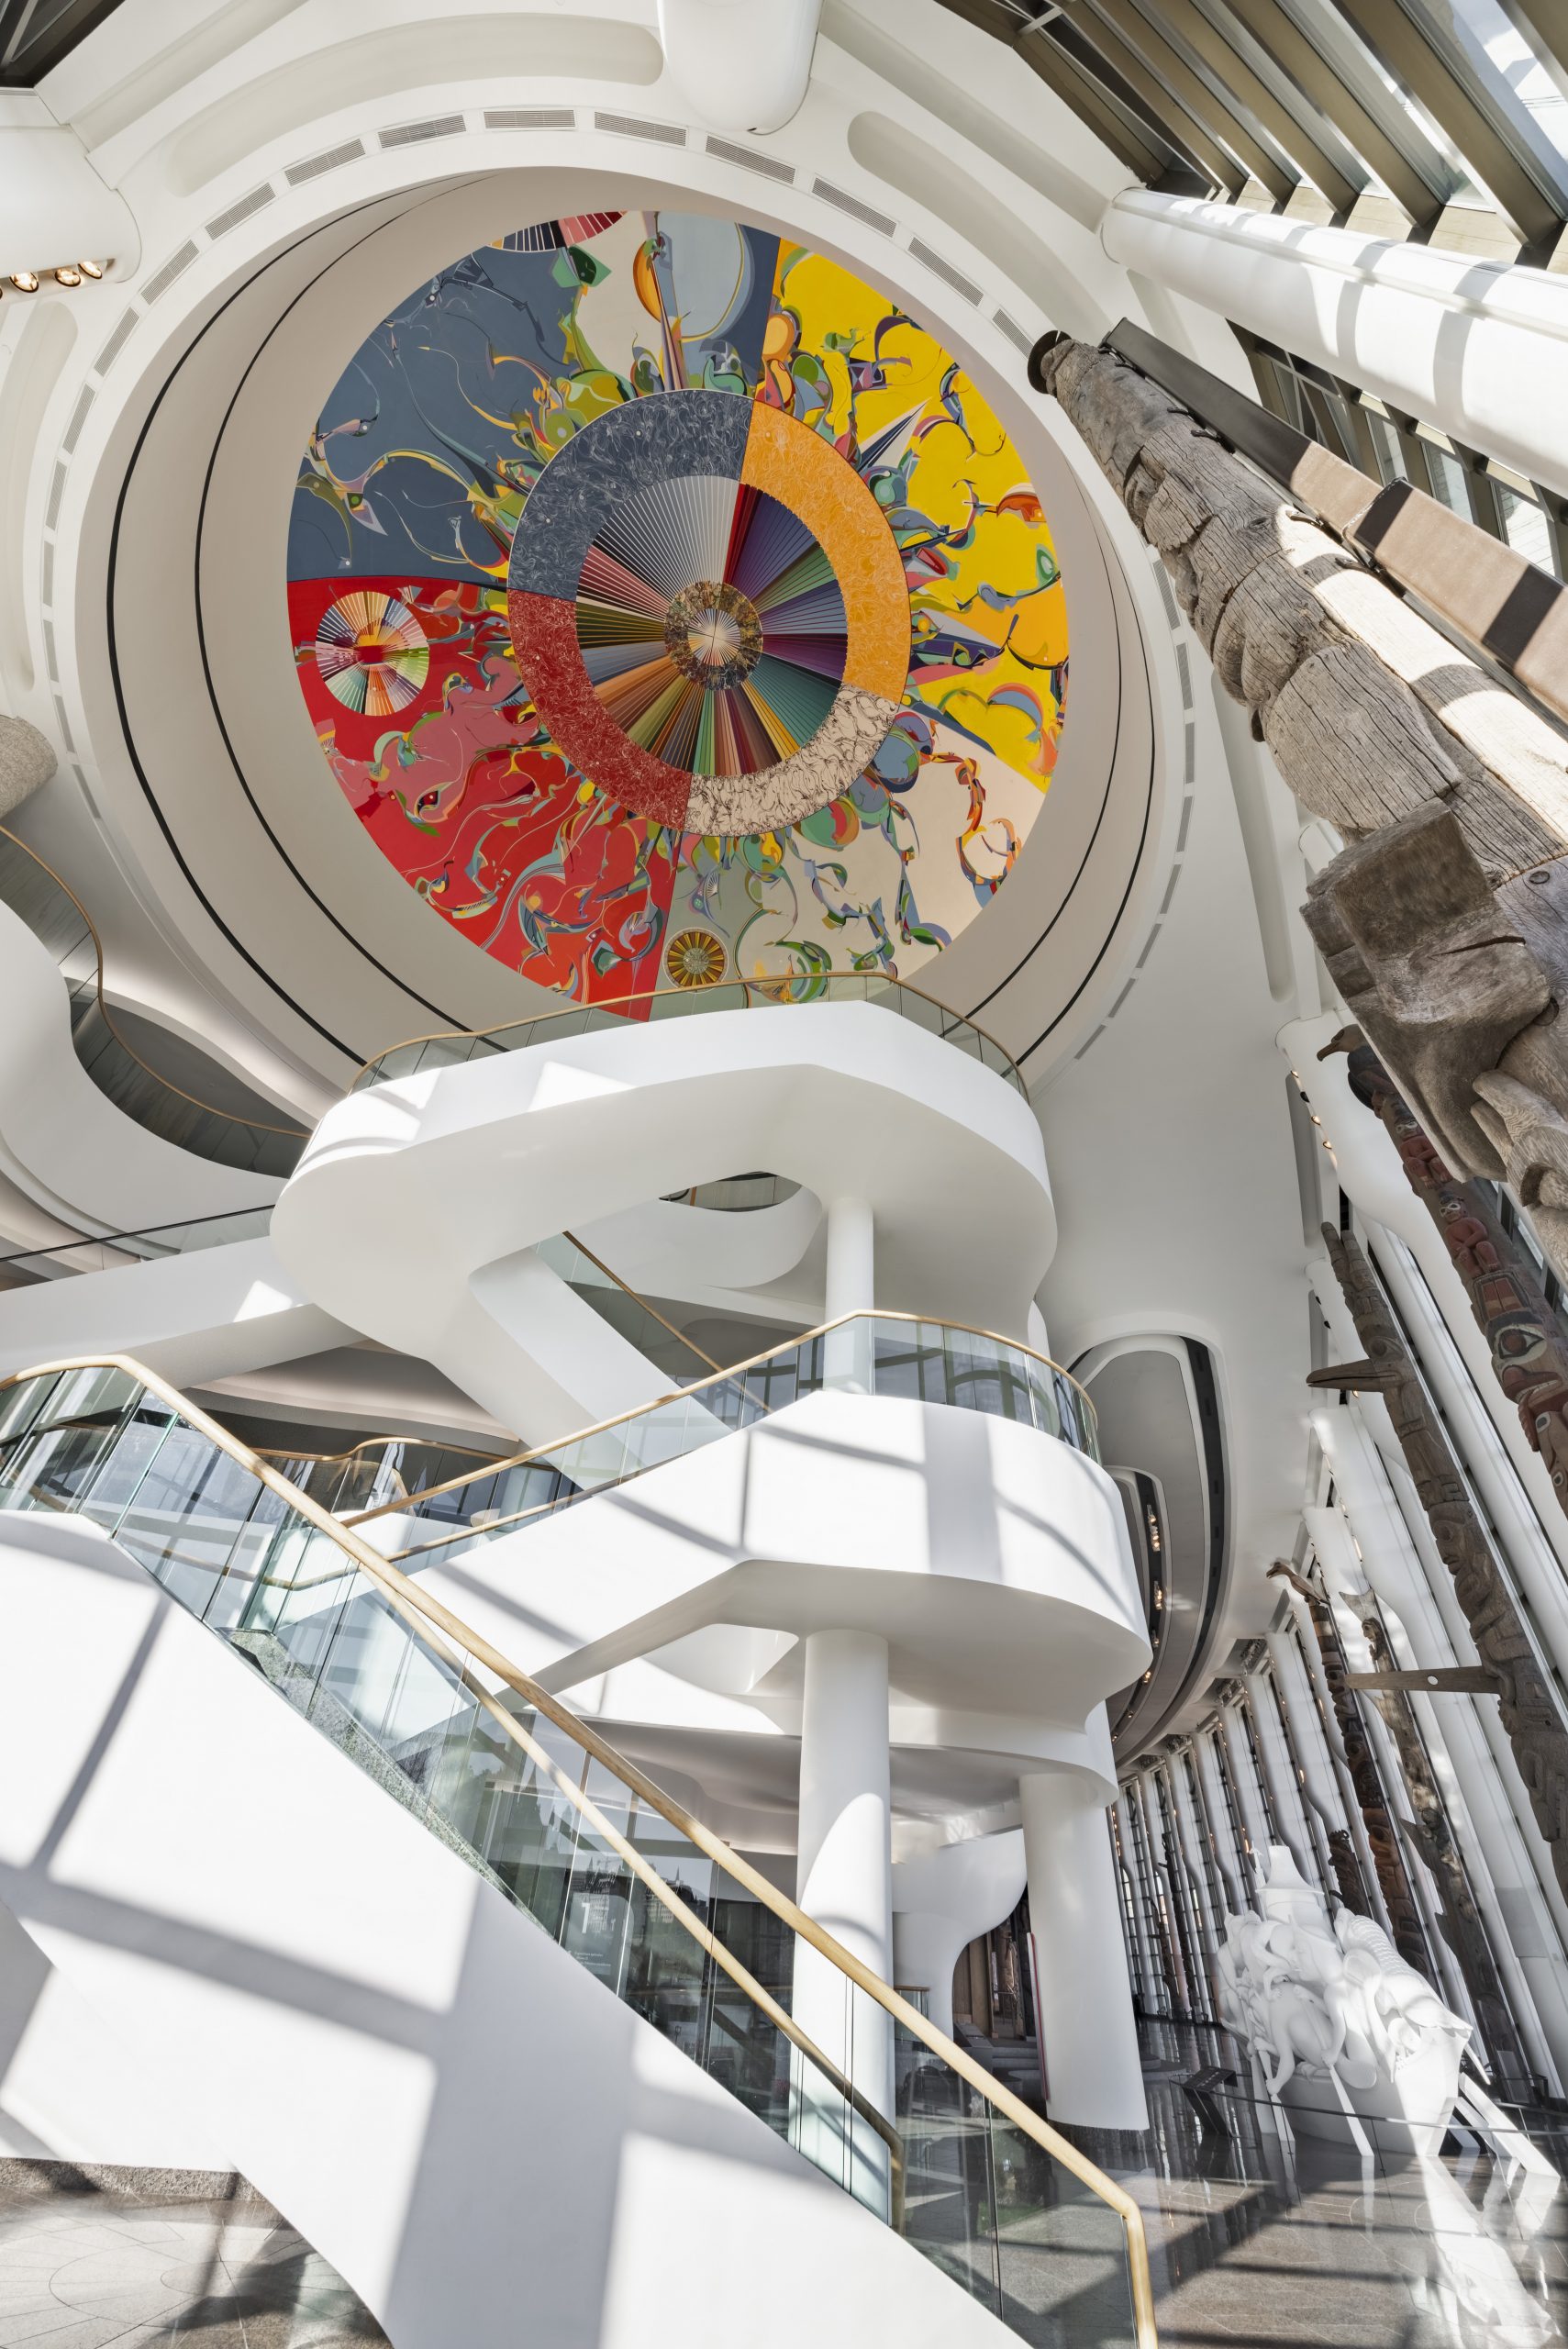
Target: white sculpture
(1339, 2023)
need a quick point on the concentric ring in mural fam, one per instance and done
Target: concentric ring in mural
(709, 612)
(665, 598)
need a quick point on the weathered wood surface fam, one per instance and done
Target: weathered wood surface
(1368, 708)
(1441, 921)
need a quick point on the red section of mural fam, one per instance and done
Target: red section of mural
(544, 629)
(468, 798)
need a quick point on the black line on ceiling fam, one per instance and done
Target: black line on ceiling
(349, 1052)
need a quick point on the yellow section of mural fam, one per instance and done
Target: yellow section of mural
(988, 605)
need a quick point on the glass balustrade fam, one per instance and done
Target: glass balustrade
(684, 1003)
(930, 1361)
(971, 2187)
(115, 1250)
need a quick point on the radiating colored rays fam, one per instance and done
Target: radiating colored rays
(740, 618)
(904, 807)
(711, 626)
(372, 653)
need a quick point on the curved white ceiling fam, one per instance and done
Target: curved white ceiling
(203, 762)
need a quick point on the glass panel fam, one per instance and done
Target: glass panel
(980, 2197)
(1525, 526)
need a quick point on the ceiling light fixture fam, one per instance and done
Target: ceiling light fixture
(67, 275)
(93, 269)
(24, 280)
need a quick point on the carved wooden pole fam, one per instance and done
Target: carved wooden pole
(1429, 1833)
(1529, 1345)
(1529, 1715)
(1443, 922)
(1394, 1883)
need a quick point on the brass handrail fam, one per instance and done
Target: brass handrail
(763, 990)
(678, 1393)
(251, 1125)
(636, 1294)
(408, 1601)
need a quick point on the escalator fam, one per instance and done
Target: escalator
(552, 1823)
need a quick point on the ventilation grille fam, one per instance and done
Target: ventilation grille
(1189, 756)
(48, 572)
(631, 126)
(175, 266)
(84, 399)
(414, 134)
(1014, 332)
(852, 206)
(1167, 595)
(1184, 672)
(117, 342)
(48, 652)
(750, 160)
(56, 492)
(945, 271)
(530, 118)
(333, 160)
(257, 201)
(1186, 819)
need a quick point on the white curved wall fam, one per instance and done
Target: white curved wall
(63, 1142)
(456, 2114)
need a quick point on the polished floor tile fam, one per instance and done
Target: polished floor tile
(84, 2267)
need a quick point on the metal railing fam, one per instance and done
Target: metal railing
(60, 922)
(450, 1047)
(557, 1821)
(877, 1353)
(110, 1251)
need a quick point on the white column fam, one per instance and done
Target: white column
(850, 1288)
(1285, 1788)
(1087, 2034)
(844, 1880)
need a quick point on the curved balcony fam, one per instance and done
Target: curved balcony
(118, 1065)
(453, 1045)
(865, 1353)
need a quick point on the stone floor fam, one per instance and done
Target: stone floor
(84, 2264)
(1256, 2243)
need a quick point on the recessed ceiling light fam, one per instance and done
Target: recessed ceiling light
(91, 268)
(68, 276)
(24, 280)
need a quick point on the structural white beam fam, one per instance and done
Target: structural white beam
(1478, 350)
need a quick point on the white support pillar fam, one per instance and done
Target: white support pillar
(844, 1880)
(1230, 1862)
(1285, 1790)
(1088, 2038)
(850, 1288)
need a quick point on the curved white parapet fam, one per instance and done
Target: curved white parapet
(80, 1159)
(993, 1559)
(1479, 349)
(452, 2110)
(414, 1195)
(208, 1313)
(942, 1900)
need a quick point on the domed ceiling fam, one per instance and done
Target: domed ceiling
(670, 606)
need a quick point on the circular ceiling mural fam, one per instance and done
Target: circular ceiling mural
(670, 606)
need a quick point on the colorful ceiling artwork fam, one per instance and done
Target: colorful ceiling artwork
(671, 608)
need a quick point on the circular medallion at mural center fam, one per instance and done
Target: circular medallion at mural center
(709, 612)
(713, 635)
